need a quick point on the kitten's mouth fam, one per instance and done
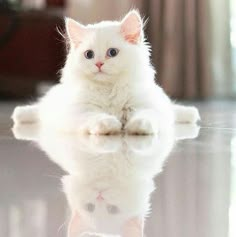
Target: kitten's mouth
(100, 73)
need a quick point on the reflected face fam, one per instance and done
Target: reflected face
(108, 204)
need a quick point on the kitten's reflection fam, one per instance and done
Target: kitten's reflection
(109, 179)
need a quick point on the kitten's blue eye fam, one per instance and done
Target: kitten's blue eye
(112, 209)
(90, 207)
(89, 54)
(112, 52)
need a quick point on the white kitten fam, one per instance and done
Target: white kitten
(107, 84)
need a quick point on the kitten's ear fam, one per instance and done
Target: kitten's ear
(75, 31)
(131, 27)
(77, 226)
(133, 228)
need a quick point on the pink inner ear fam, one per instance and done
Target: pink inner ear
(131, 27)
(133, 228)
(77, 226)
(75, 31)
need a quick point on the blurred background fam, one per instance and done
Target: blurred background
(193, 42)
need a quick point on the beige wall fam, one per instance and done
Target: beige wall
(89, 11)
(220, 47)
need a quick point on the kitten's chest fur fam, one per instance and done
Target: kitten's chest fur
(115, 100)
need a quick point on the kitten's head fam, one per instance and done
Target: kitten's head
(107, 50)
(107, 207)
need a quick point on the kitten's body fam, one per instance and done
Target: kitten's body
(121, 96)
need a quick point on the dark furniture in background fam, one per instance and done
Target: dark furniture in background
(31, 50)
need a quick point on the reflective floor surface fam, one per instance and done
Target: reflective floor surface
(181, 183)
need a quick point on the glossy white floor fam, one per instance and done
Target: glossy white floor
(110, 180)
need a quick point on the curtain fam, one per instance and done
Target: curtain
(179, 33)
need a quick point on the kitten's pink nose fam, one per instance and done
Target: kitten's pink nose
(99, 64)
(100, 197)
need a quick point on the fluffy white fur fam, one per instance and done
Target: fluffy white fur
(123, 96)
(124, 166)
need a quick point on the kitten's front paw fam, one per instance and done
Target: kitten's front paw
(106, 126)
(140, 126)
